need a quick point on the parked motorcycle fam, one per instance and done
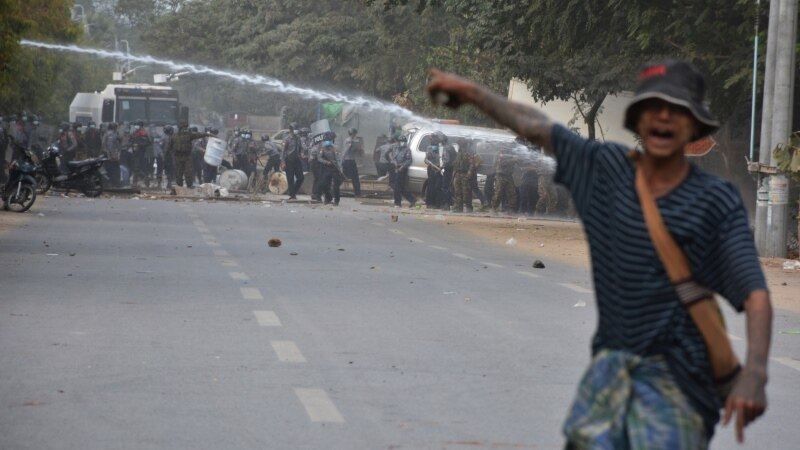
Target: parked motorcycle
(86, 176)
(19, 192)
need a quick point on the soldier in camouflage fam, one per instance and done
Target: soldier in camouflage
(180, 146)
(504, 163)
(464, 167)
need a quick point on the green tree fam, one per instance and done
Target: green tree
(584, 51)
(26, 75)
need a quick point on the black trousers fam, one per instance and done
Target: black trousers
(400, 190)
(433, 189)
(331, 180)
(316, 171)
(350, 170)
(294, 175)
(447, 183)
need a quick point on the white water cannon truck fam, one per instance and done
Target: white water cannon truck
(120, 103)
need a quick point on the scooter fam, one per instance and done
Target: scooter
(86, 176)
(19, 192)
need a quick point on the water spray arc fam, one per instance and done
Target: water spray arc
(275, 85)
(267, 83)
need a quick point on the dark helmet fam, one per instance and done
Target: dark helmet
(112, 126)
(265, 137)
(168, 129)
(352, 131)
(441, 138)
(307, 131)
(63, 126)
(294, 126)
(213, 131)
(183, 124)
(77, 126)
(193, 129)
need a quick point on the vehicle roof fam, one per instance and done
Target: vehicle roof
(458, 130)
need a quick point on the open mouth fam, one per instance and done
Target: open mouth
(662, 134)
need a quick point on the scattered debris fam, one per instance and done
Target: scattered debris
(52, 254)
(439, 217)
(580, 304)
(449, 292)
(293, 253)
(72, 254)
(511, 241)
(274, 242)
(340, 249)
(791, 265)
(797, 332)
(394, 218)
(40, 215)
(541, 244)
(538, 264)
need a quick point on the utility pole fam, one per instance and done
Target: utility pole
(777, 116)
(765, 147)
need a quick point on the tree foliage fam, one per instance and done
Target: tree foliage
(584, 51)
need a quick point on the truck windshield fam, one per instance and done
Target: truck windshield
(149, 110)
(131, 110)
(163, 111)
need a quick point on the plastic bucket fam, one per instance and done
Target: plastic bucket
(215, 149)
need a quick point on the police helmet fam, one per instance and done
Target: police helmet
(193, 129)
(440, 137)
(307, 131)
(352, 131)
(77, 126)
(64, 126)
(168, 129)
(265, 137)
(213, 131)
(293, 126)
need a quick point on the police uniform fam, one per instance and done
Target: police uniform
(291, 160)
(331, 174)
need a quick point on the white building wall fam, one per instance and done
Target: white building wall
(609, 120)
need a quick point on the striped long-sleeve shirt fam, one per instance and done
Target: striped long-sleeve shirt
(638, 308)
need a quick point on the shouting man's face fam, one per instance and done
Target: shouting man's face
(665, 128)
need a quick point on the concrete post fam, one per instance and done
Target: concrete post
(783, 99)
(765, 146)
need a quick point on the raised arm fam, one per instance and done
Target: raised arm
(526, 121)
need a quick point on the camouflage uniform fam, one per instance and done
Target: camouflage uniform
(504, 181)
(463, 169)
(181, 148)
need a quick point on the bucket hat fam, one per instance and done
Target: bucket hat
(676, 82)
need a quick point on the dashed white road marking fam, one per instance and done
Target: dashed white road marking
(267, 319)
(378, 224)
(462, 256)
(396, 231)
(318, 405)
(229, 263)
(220, 252)
(207, 237)
(436, 247)
(788, 362)
(203, 230)
(214, 244)
(576, 288)
(199, 223)
(241, 276)
(497, 266)
(287, 351)
(529, 274)
(251, 294)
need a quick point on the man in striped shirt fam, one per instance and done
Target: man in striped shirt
(650, 383)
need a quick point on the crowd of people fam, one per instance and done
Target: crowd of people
(143, 155)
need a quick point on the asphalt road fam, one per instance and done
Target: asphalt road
(139, 324)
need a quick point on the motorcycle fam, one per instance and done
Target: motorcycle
(86, 176)
(19, 192)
